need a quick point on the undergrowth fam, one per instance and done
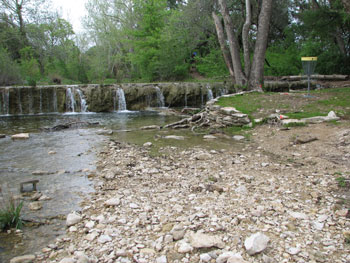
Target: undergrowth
(10, 215)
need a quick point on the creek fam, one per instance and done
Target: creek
(65, 159)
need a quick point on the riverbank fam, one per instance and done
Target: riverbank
(200, 205)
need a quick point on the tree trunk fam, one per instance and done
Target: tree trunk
(340, 42)
(346, 4)
(19, 6)
(222, 42)
(233, 43)
(257, 70)
(245, 38)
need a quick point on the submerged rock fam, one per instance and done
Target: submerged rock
(2, 136)
(35, 206)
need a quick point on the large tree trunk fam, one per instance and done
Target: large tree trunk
(222, 42)
(233, 43)
(257, 70)
(245, 38)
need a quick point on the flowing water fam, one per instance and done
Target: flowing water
(67, 157)
(160, 97)
(121, 100)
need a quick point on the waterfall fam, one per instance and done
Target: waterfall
(209, 93)
(160, 97)
(202, 98)
(121, 100)
(30, 101)
(70, 101)
(54, 100)
(223, 91)
(83, 103)
(6, 101)
(19, 102)
(40, 101)
(186, 97)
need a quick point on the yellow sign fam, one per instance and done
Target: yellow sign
(309, 59)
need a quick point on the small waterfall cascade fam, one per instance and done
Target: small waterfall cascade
(210, 95)
(83, 104)
(7, 101)
(40, 101)
(160, 97)
(186, 91)
(121, 99)
(70, 101)
(30, 101)
(54, 100)
(222, 91)
(202, 98)
(19, 101)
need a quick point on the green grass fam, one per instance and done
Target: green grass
(247, 104)
(10, 216)
(294, 105)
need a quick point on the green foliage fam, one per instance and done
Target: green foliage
(147, 38)
(341, 181)
(29, 66)
(283, 62)
(9, 70)
(10, 215)
(212, 65)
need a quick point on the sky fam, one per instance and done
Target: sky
(72, 11)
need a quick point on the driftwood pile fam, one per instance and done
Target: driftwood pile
(213, 116)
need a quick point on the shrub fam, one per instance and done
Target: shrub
(10, 215)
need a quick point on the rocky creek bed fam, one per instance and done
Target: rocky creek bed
(275, 199)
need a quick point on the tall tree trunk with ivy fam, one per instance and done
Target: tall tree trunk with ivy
(253, 73)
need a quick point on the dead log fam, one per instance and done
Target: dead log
(316, 77)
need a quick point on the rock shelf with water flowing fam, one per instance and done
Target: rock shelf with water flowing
(106, 98)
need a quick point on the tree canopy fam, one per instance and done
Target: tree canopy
(171, 40)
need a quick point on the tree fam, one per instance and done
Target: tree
(252, 76)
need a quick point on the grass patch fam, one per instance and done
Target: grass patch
(294, 105)
(247, 103)
(10, 215)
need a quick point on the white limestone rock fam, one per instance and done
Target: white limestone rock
(73, 218)
(23, 259)
(112, 202)
(256, 243)
(183, 247)
(20, 136)
(104, 239)
(200, 240)
(161, 259)
(174, 137)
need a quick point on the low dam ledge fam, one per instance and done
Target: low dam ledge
(22, 100)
